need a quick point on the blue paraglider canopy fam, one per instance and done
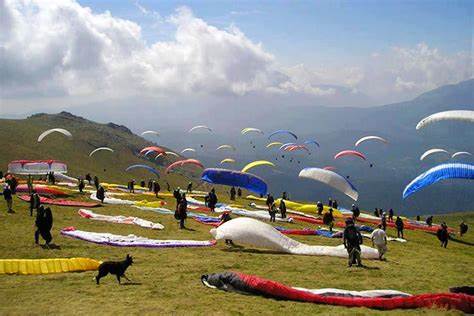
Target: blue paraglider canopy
(144, 167)
(311, 142)
(438, 173)
(235, 178)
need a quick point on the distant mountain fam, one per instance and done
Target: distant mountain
(19, 141)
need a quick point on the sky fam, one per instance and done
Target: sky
(68, 54)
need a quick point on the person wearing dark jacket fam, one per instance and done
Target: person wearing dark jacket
(443, 235)
(429, 221)
(7, 195)
(212, 201)
(383, 221)
(352, 241)
(239, 192)
(45, 230)
(355, 211)
(320, 208)
(284, 196)
(100, 194)
(334, 204)
(39, 221)
(156, 188)
(35, 202)
(81, 185)
(96, 182)
(330, 202)
(272, 212)
(463, 228)
(89, 178)
(177, 197)
(269, 202)
(328, 219)
(150, 185)
(283, 208)
(390, 215)
(399, 224)
(182, 211)
(232, 194)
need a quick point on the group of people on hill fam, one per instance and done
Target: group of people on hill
(273, 209)
(234, 192)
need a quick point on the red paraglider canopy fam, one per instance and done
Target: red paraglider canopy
(157, 149)
(350, 153)
(180, 163)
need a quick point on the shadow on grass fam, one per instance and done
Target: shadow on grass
(51, 247)
(131, 283)
(462, 242)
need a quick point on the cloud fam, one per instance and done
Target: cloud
(62, 49)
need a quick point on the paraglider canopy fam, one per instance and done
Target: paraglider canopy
(311, 142)
(152, 170)
(366, 138)
(227, 160)
(180, 163)
(283, 132)
(257, 163)
(235, 178)
(226, 147)
(438, 173)
(156, 149)
(350, 153)
(332, 179)
(36, 167)
(456, 115)
(461, 153)
(54, 130)
(99, 149)
(274, 144)
(188, 150)
(251, 129)
(151, 132)
(199, 127)
(432, 151)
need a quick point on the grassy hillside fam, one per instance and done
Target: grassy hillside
(19, 141)
(168, 280)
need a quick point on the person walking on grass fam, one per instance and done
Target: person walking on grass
(463, 228)
(156, 188)
(328, 219)
(81, 185)
(399, 224)
(443, 235)
(182, 211)
(379, 240)
(352, 240)
(8, 196)
(35, 202)
(272, 211)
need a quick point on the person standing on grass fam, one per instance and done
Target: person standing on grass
(443, 235)
(429, 221)
(383, 222)
(96, 182)
(39, 222)
(182, 211)
(334, 204)
(399, 224)
(379, 240)
(7, 195)
(463, 228)
(283, 208)
(232, 194)
(81, 185)
(100, 194)
(47, 225)
(89, 178)
(320, 208)
(239, 192)
(212, 201)
(390, 215)
(269, 202)
(355, 211)
(272, 212)
(156, 188)
(328, 219)
(352, 240)
(35, 202)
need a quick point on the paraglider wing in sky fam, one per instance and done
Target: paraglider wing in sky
(171, 153)
(283, 132)
(257, 163)
(227, 160)
(199, 127)
(350, 153)
(235, 178)
(54, 130)
(274, 144)
(180, 163)
(99, 149)
(152, 170)
(457, 115)
(311, 142)
(366, 138)
(438, 173)
(251, 129)
(332, 179)
(432, 151)
(188, 150)
(226, 147)
(149, 149)
(283, 147)
(461, 153)
(150, 132)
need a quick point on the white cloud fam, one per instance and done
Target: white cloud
(61, 49)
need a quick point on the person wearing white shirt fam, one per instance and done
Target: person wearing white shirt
(379, 240)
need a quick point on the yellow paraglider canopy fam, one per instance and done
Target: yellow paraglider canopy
(227, 160)
(274, 144)
(46, 266)
(257, 163)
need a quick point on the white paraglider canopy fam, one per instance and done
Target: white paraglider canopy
(36, 167)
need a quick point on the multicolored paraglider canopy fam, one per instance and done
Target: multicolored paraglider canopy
(36, 167)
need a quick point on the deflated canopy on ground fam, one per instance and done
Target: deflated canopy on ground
(256, 164)
(432, 151)
(332, 179)
(279, 132)
(54, 130)
(438, 173)
(152, 170)
(36, 167)
(100, 149)
(183, 162)
(235, 178)
(46, 266)
(366, 138)
(456, 115)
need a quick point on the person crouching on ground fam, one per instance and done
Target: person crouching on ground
(379, 240)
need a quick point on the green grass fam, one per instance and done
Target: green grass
(170, 278)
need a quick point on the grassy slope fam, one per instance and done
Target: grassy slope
(19, 137)
(170, 278)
